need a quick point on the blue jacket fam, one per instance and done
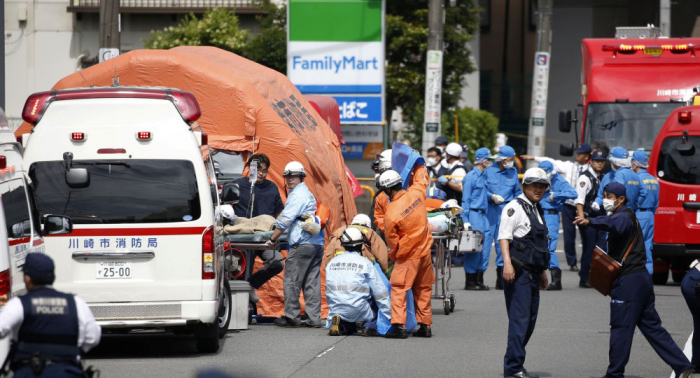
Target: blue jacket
(474, 193)
(651, 185)
(351, 281)
(633, 186)
(505, 183)
(300, 201)
(604, 181)
(562, 191)
(267, 199)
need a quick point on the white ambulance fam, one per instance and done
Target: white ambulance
(125, 164)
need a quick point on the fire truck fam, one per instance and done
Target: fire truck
(629, 87)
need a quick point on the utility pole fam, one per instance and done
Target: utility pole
(665, 17)
(2, 54)
(540, 81)
(110, 27)
(433, 74)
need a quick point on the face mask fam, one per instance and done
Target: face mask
(488, 164)
(432, 161)
(609, 205)
(508, 165)
(442, 149)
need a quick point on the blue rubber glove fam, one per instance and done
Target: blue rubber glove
(442, 180)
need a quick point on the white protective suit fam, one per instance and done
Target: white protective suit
(351, 280)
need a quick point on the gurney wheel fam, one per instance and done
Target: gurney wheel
(446, 305)
(452, 302)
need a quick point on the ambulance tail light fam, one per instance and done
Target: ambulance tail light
(35, 106)
(5, 286)
(684, 116)
(144, 135)
(3, 162)
(78, 137)
(186, 104)
(208, 272)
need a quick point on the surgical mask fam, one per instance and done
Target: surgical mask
(609, 205)
(432, 161)
(442, 149)
(508, 165)
(488, 164)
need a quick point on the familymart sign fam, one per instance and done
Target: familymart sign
(337, 48)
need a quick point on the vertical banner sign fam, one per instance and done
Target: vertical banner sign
(540, 82)
(433, 91)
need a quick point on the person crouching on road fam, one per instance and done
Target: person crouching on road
(48, 326)
(632, 297)
(374, 247)
(352, 284)
(303, 266)
(524, 244)
(409, 240)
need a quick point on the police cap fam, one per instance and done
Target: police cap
(39, 266)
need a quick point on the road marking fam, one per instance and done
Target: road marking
(326, 351)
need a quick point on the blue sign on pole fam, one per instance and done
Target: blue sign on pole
(359, 109)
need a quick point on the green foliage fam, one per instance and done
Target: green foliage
(477, 128)
(217, 27)
(269, 47)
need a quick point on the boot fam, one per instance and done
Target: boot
(499, 278)
(423, 331)
(471, 282)
(480, 281)
(556, 280)
(399, 332)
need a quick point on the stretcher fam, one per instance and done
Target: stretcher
(239, 264)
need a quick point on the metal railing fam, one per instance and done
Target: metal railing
(167, 6)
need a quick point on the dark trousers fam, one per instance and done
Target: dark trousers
(632, 304)
(522, 304)
(58, 371)
(589, 239)
(693, 300)
(568, 214)
(272, 266)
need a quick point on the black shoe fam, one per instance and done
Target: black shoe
(480, 281)
(584, 285)
(284, 321)
(523, 374)
(423, 331)
(573, 268)
(556, 280)
(309, 324)
(399, 332)
(471, 282)
(370, 332)
(499, 278)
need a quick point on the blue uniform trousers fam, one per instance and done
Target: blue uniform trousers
(632, 304)
(494, 217)
(646, 222)
(478, 262)
(590, 239)
(568, 214)
(693, 300)
(522, 304)
(57, 371)
(552, 222)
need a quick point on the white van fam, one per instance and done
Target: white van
(125, 165)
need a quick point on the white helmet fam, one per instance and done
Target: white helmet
(389, 179)
(351, 237)
(385, 160)
(294, 168)
(362, 220)
(536, 176)
(453, 149)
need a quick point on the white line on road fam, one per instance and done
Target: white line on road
(326, 351)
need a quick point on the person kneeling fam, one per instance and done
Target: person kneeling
(352, 285)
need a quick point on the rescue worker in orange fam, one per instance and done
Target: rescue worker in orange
(374, 248)
(409, 240)
(383, 164)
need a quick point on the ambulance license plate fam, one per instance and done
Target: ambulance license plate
(113, 270)
(653, 51)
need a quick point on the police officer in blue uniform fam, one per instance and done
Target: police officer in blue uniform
(502, 187)
(690, 287)
(646, 206)
(475, 205)
(559, 191)
(632, 298)
(523, 239)
(50, 329)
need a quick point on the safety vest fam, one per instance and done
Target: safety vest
(533, 248)
(449, 192)
(591, 195)
(49, 328)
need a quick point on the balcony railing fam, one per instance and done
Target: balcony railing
(168, 6)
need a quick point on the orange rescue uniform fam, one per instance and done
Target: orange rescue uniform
(375, 250)
(409, 240)
(380, 204)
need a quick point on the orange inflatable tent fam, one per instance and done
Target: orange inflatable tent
(246, 107)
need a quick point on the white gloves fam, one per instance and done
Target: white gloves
(467, 226)
(496, 199)
(311, 226)
(595, 206)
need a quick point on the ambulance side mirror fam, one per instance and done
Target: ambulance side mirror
(230, 194)
(565, 120)
(78, 178)
(57, 225)
(566, 149)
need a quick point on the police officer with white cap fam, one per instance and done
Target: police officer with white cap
(524, 243)
(50, 329)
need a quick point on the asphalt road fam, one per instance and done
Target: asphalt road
(570, 340)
